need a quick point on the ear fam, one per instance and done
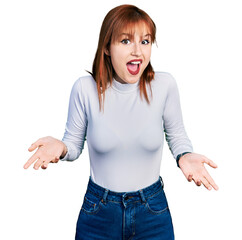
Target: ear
(106, 51)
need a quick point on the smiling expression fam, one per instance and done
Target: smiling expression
(130, 53)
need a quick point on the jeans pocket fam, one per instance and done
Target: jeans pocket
(91, 203)
(157, 203)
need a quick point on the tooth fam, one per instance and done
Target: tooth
(137, 62)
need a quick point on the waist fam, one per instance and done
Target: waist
(146, 192)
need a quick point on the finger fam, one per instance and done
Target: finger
(210, 180)
(211, 163)
(38, 164)
(31, 160)
(197, 182)
(44, 165)
(206, 184)
(189, 178)
(55, 160)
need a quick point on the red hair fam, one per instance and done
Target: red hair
(118, 19)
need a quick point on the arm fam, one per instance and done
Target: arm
(174, 129)
(191, 164)
(76, 125)
(50, 149)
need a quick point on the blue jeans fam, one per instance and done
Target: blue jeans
(109, 215)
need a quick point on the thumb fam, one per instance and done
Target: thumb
(211, 163)
(32, 147)
(36, 144)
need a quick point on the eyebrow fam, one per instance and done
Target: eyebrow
(126, 34)
(131, 36)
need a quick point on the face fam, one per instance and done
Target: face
(130, 54)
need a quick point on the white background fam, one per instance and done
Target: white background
(46, 45)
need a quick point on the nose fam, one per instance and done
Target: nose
(136, 50)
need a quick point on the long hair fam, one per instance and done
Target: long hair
(117, 19)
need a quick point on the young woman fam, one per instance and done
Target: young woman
(123, 111)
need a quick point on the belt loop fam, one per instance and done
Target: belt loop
(105, 196)
(162, 183)
(142, 195)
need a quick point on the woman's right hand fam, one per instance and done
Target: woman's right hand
(49, 150)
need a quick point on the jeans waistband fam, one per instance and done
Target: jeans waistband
(107, 194)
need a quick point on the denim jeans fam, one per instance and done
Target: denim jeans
(109, 215)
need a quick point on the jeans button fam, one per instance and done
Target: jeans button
(127, 197)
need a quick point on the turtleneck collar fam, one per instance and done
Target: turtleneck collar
(125, 87)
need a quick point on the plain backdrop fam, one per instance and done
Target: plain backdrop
(46, 45)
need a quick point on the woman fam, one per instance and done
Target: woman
(124, 110)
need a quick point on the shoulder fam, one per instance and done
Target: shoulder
(85, 80)
(84, 84)
(164, 76)
(164, 79)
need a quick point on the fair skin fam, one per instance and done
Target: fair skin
(192, 166)
(49, 151)
(135, 50)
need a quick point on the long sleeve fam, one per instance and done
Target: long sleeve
(76, 125)
(174, 129)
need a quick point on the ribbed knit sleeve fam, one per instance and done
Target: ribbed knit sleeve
(174, 129)
(76, 125)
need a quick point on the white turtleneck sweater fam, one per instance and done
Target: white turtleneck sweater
(125, 143)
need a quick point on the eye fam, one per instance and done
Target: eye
(125, 41)
(145, 42)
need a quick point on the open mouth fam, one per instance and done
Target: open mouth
(133, 66)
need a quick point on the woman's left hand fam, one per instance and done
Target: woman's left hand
(192, 166)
